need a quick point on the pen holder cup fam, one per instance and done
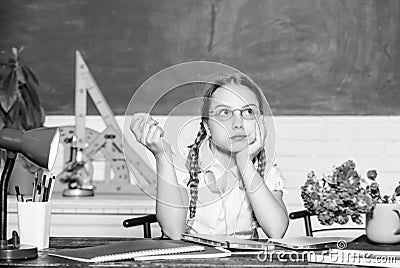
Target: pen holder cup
(34, 223)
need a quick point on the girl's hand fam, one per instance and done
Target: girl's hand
(255, 146)
(148, 133)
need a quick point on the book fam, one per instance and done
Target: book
(371, 261)
(227, 242)
(309, 242)
(361, 252)
(126, 250)
(361, 245)
(209, 252)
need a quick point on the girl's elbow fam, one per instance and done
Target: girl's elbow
(284, 226)
(278, 231)
(172, 234)
(172, 231)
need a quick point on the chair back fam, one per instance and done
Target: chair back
(310, 230)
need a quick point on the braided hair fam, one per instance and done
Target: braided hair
(194, 168)
(193, 156)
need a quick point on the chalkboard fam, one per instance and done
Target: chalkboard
(310, 57)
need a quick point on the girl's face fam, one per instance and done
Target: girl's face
(233, 134)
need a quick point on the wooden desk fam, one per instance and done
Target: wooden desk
(74, 242)
(100, 215)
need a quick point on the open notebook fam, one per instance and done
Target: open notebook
(127, 250)
(295, 243)
(228, 242)
(309, 242)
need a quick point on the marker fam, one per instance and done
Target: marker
(17, 193)
(20, 197)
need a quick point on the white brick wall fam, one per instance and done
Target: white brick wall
(305, 143)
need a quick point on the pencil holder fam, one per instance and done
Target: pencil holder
(34, 223)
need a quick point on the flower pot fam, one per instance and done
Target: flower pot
(383, 224)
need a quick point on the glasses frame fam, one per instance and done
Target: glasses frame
(254, 107)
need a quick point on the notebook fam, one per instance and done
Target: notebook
(209, 252)
(126, 250)
(309, 242)
(227, 242)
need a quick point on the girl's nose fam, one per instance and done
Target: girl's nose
(237, 120)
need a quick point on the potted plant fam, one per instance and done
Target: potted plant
(345, 195)
(20, 108)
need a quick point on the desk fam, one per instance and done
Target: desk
(100, 215)
(73, 242)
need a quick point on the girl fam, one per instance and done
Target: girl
(229, 192)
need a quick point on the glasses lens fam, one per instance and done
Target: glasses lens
(249, 113)
(223, 113)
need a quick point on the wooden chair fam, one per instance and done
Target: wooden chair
(308, 226)
(144, 220)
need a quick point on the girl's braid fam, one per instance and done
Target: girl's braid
(261, 159)
(261, 162)
(193, 159)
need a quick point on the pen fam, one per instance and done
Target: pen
(43, 197)
(50, 187)
(45, 193)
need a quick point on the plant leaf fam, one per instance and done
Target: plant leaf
(8, 92)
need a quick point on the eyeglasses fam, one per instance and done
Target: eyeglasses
(225, 113)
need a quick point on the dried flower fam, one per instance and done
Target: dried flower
(341, 196)
(372, 174)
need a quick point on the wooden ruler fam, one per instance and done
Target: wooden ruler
(109, 141)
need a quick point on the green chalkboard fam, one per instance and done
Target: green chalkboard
(311, 57)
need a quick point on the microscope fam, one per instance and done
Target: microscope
(77, 173)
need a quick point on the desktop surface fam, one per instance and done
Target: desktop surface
(44, 260)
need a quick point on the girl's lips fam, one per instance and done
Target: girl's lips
(239, 137)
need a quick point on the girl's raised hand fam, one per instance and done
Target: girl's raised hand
(255, 147)
(148, 133)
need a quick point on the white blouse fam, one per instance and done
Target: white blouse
(223, 206)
